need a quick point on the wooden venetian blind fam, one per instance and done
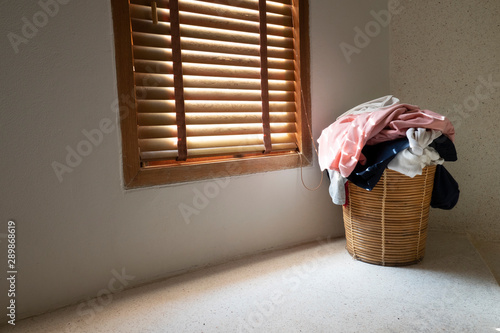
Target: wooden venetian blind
(214, 77)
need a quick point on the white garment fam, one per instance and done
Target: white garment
(412, 160)
(372, 105)
(421, 138)
(337, 187)
(411, 165)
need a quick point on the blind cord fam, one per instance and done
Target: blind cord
(304, 107)
(314, 145)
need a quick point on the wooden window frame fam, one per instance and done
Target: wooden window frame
(136, 175)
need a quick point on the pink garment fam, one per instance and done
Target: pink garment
(340, 144)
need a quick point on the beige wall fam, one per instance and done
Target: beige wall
(442, 53)
(74, 235)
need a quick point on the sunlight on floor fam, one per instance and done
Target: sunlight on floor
(316, 287)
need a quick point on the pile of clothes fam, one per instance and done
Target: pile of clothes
(384, 133)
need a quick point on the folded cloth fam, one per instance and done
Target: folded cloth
(337, 187)
(372, 105)
(340, 144)
(445, 193)
(445, 147)
(377, 157)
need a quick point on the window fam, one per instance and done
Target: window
(211, 88)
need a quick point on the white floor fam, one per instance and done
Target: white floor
(312, 288)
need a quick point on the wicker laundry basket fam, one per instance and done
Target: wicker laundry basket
(388, 225)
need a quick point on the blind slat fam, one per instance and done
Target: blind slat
(195, 44)
(233, 12)
(212, 94)
(145, 13)
(155, 119)
(163, 67)
(159, 106)
(170, 131)
(213, 141)
(162, 28)
(160, 80)
(282, 7)
(153, 53)
(171, 154)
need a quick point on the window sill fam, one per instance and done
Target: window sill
(168, 175)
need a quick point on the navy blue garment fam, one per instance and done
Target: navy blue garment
(445, 147)
(377, 157)
(445, 192)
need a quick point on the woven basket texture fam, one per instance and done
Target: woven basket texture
(388, 225)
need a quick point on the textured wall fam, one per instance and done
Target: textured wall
(445, 57)
(74, 236)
